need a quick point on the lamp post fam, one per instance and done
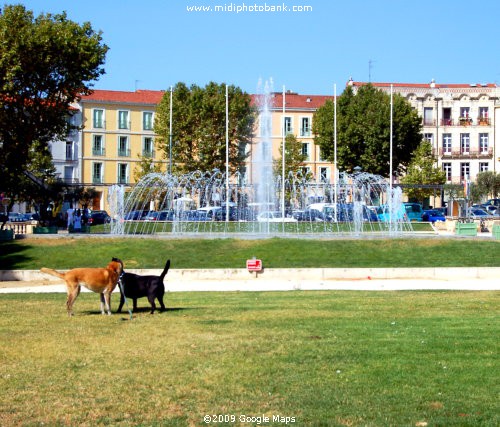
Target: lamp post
(170, 135)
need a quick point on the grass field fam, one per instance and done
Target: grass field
(319, 358)
(70, 252)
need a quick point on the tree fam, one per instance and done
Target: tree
(488, 184)
(423, 170)
(294, 158)
(363, 131)
(144, 167)
(46, 64)
(199, 127)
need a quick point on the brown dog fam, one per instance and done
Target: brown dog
(100, 280)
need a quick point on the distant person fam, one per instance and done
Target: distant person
(77, 221)
(70, 213)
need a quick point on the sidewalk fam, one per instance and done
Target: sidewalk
(376, 279)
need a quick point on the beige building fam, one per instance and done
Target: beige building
(296, 119)
(117, 133)
(460, 122)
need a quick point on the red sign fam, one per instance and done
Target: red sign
(254, 265)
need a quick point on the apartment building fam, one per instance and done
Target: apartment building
(117, 132)
(66, 153)
(294, 117)
(459, 120)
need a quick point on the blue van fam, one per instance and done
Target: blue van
(413, 211)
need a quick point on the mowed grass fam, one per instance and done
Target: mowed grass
(322, 358)
(71, 252)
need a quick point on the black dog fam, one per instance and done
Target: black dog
(135, 286)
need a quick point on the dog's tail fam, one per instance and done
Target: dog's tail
(165, 270)
(52, 272)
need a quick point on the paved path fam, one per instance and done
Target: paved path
(365, 284)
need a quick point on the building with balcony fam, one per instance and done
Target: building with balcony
(117, 133)
(459, 120)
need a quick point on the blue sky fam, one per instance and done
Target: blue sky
(156, 43)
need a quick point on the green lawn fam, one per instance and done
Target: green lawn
(138, 252)
(322, 358)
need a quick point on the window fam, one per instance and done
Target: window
(305, 150)
(68, 173)
(428, 117)
(147, 147)
(447, 171)
(447, 143)
(69, 150)
(98, 119)
(147, 120)
(123, 150)
(483, 166)
(483, 143)
(464, 171)
(288, 125)
(98, 145)
(465, 143)
(324, 174)
(483, 113)
(123, 120)
(97, 173)
(122, 173)
(305, 126)
(429, 137)
(464, 112)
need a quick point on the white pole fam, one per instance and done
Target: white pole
(336, 188)
(390, 166)
(283, 165)
(227, 155)
(390, 142)
(170, 135)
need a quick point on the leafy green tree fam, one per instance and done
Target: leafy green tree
(294, 158)
(363, 131)
(199, 127)
(145, 166)
(46, 64)
(488, 184)
(422, 170)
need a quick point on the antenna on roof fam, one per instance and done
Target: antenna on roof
(370, 66)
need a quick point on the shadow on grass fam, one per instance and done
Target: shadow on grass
(12, 255)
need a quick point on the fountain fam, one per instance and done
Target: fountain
(194, 204)
(197, 203)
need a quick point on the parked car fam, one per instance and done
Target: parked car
(15, 217)
(270, 216)
(136, 215)
(308, 215)
(413, 211)
(99, 217)
(167, 215)
(384, 214)
(345, 212)
(432, 215)
(477, 213)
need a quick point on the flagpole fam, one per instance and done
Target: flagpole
(227, 155)
(390, 162)
(283, 164)
(336, 188)
(170, 136)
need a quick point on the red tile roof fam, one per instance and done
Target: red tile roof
(137, 97)
(295, 101)
(424, 85)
